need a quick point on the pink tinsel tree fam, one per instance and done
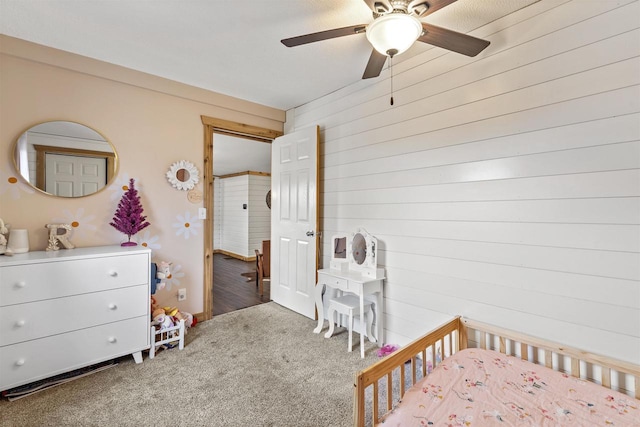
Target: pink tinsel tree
(128, 218)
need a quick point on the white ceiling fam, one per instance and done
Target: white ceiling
(227, 46)
(232, 154)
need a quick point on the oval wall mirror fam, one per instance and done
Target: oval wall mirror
(65, 159)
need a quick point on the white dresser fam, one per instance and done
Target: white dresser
(68, 309)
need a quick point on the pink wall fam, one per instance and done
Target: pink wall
(152, 123)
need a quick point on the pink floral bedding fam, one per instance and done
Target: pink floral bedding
(476, 387)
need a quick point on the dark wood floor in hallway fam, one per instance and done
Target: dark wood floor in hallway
(231, 289)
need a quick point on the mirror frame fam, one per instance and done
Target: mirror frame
(111, 158)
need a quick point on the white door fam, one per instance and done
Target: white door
(294, 204)
(73, 176)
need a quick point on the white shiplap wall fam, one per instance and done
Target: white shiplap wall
(259, 212)
(217, 213)
(504, 187)
(234, 224)
(237, 230)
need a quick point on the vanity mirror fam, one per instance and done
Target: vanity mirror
(362, 253)
(339, 252)
(65, 159)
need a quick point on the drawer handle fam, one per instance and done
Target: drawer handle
(112, 340)
(20, 362)
(113, 306)
(20, 323)
(113, 273)
(21, 285)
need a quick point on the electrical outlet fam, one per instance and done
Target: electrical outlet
(182, 294)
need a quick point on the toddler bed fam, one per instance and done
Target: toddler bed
(524, 381)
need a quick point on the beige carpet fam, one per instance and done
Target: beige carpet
(260, 366)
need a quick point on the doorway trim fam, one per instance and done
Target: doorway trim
(225, 127)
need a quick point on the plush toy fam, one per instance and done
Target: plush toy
(164, 272)
(166, 317)
(163, 321)
(3, 240)
(189, 319)
(170, 311)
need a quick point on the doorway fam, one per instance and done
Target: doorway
(241, 220)
(215, 132)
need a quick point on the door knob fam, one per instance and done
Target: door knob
(310, 233)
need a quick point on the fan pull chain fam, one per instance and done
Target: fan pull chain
(391, 79)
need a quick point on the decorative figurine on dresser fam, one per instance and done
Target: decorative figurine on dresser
(98, 296)
(353, 284)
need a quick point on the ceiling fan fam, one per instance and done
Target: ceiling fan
(395, 28)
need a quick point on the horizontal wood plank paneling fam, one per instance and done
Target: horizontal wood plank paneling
(614, 238)
(442, 149)
(575, 211)
(504, 187)
(624, 183)
(217, 214)
(235, 219)
(621, 156)
(259, 213)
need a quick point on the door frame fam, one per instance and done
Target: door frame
(226, 127)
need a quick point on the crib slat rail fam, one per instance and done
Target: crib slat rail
(432, 343)
(577, 357)
(461, 333)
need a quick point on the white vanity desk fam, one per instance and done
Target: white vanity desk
(354, 270)
(356, 283)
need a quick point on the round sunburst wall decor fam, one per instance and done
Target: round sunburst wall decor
(183, 175)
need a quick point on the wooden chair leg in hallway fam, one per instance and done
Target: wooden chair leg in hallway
(260, 272)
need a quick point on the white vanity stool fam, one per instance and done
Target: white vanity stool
(349, 305)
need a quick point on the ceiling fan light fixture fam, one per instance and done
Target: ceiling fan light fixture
(394, 33)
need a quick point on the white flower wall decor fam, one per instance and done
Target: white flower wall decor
(183, 175)
(81, 224)
(187, 225)
(14, 185)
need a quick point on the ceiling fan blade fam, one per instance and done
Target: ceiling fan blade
(434, 5)
(324, 35)
(375, 64)
(451, 40)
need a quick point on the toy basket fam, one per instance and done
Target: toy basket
(168, 337)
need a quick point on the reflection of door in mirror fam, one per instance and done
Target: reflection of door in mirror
(70, 172)
(65, 159)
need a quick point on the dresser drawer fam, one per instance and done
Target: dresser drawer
(23, 322)
(33, 360)
(41, 281)
(334, 282)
